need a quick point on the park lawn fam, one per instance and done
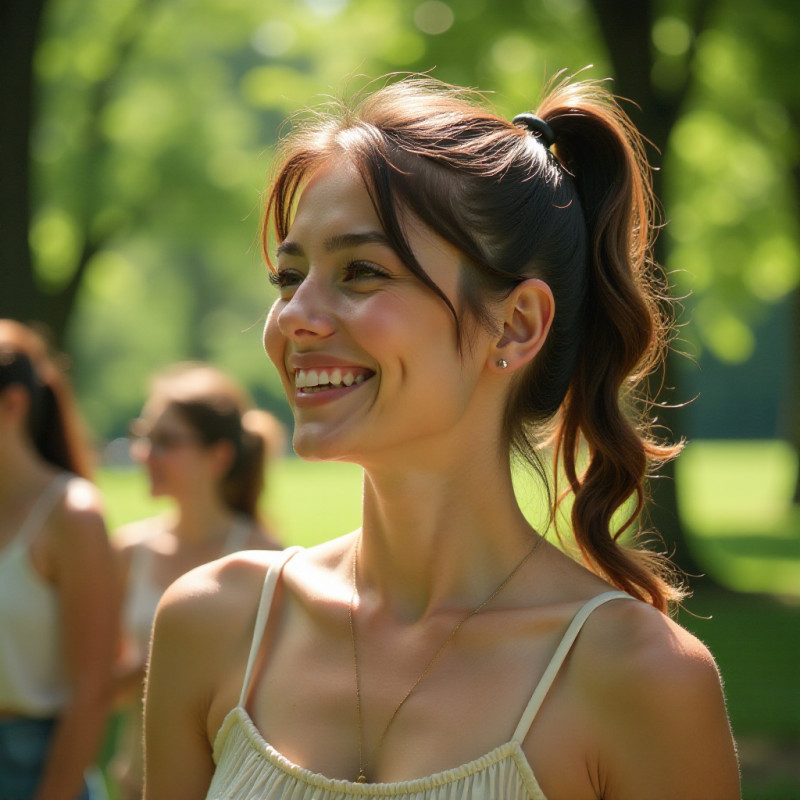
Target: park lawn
(735, 501)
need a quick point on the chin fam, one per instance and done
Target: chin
(312, 447)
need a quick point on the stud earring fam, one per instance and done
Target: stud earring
(502, 363)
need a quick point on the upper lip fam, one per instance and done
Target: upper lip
(318, 361)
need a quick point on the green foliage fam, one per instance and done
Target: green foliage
(157, 122)
(732, 196)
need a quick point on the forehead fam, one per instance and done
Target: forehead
(333, 200)
(161, 414)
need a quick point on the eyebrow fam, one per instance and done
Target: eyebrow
(341, 241)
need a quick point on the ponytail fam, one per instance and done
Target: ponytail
(242, 486)
(623, 342)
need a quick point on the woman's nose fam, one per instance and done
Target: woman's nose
(308, 313)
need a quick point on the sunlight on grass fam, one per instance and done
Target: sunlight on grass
(312, 502)
(735, 499)
(736, 487)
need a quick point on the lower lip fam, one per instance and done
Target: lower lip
(313, 399)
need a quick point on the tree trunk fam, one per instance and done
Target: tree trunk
(792, 415)
(20, 21)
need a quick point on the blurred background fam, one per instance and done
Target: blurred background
(136, 140)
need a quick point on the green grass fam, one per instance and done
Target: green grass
(735, 502)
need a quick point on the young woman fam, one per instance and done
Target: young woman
(58, 596)
(205, 447)
(454, 287)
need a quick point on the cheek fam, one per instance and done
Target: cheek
(274, 341)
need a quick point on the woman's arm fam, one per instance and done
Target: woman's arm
(84, 571)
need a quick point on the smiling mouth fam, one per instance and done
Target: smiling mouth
(321, 380)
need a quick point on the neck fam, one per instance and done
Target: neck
(202, 518)
(435, 540)
(23, 471)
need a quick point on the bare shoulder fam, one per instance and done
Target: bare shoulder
(652, 691)
(625, 639)
(218, 587)
(215, 601)
(81, 505)
(205, 619)
(77, 521)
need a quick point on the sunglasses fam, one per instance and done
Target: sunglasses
(143, 439)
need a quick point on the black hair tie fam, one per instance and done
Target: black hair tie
(536, 126)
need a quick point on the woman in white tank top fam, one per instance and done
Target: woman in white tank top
(205, 447)
(58, 594)
(453, 288)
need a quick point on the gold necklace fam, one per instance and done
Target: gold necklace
(362, 765)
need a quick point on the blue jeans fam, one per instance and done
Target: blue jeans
(24, 743)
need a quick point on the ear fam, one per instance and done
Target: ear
(15, 402)
(527, 314)
(223, 454)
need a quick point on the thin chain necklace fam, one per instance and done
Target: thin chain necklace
(362, 764)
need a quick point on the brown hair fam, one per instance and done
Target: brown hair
(579, 216)
(54, 425)
(218, 409)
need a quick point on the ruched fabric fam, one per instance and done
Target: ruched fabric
(249, 768)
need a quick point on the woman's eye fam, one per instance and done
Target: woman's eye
(363, 271)
(285, 278)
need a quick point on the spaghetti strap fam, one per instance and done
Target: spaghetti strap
(267, 593)
(42, 508)
(564, 646)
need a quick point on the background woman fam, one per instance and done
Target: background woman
(454, 287)
(58, 597)
(205, 447)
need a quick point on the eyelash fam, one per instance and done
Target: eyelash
(284, 278)
(280, 278)
(371, 270)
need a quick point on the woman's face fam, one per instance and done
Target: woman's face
(172, 452)
(367, 354)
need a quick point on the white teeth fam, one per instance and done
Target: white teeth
(309, 379)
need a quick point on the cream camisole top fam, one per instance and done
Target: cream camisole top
(249, 768)
(33, 674)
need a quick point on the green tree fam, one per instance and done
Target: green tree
(142, 146)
